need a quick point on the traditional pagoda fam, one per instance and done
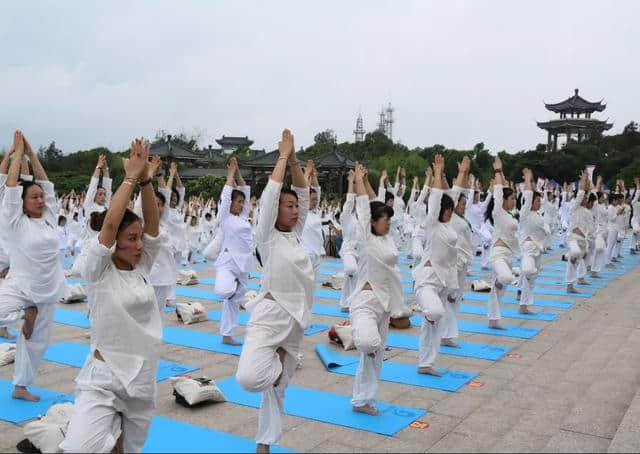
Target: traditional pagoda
(575, 120)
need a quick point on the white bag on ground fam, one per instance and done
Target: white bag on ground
(345, 335)
(187, 277)
(194, 391)
(480, 286)
(7, 353)
(75, 293)
(337, 280)
(48, 432)
(191, 313)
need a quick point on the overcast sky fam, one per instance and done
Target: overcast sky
(87, 73)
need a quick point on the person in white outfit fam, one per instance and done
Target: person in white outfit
(116, 387)
(580, 229)
(312, 236)
(35, 282)
(282, 310)
(350, 248)
(635, 219)
(615, 216)
(419, 210)
(378, 291)
(464, 247)
(534, 233)
(236, 256)
(176, 225)
(600, 241)
(504, 243)
(436, 276)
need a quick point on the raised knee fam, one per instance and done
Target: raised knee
(367, 343)
(226, 291)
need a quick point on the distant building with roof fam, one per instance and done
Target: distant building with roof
(575, 120)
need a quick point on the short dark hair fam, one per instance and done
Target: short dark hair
(61, 218)
(288, 191)
(446, 203)
(26, 185)
(160, 196)
(388, 196)
(175, 191)
(236, 193)
(378, 210)
(97, 220)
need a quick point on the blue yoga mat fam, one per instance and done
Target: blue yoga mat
(74, 355)
(483, 297)
(73, 318)
(18, 411)
(75, 281)
(553, 291)
(407, 374)
(478, 310)
(560, 275)
(328, 407)
(243, 319)
(520, 332)
(467, 349)
(193, 292)
(173, 436)
(559, 282)
(331, 311)
(197, 339)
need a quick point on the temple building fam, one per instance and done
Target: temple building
(575, 122)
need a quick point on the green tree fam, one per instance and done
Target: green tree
(208, 186)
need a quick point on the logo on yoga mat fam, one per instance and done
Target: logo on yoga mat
(419, 425)
(476, 384)
(514, 355)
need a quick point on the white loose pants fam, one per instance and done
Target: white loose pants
(450, 319)
(501, 262)
(29, 352)
(599, 255)
(350, 279)
(576, 268)
(103, 411)
(531, 263)
(433, 301)
(269, 328)
(231, 285)
(369, 327)
(612, 239)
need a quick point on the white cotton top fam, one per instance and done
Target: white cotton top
(349, 223)
(377, 262)
(504, 224)
(126, 326)
(90, 205)
(600, 216)
(287, 270)
(549, 209)
(176, 228)
(312, 238)
(32, 245)
(581, 217)
(532, 225)
(237, 234)
(463, 229)
(440, 246)
(613, 213)
(193, 235)
(63, 243)
(635, 204)
(622, 221)
(475, 211)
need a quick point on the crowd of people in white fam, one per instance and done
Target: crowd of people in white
(128, 246)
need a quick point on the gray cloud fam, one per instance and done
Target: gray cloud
(98, 73)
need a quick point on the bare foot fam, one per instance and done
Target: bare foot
(230, 341)
(344, 309)
(429, 371)
(494, 324)
(525, 310)
(30, 315)
(20, 392)
(449, 343)
(371, 355)
(4, 332)
(571, 289)
(367, 409)
(260, 448)
(595, 275)
(610, 266)
(583, 282)
(281, 353)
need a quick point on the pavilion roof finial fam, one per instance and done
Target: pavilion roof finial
(576, 91)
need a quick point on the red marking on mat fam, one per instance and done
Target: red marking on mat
(476, 384)
(514, 355)
(420, 425)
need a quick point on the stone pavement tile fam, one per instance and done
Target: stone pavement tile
(248, 426)
(505, 371)
(11, 435)
(334, 446)
(395, 445)
(566, 441)
(615, 392)
(595, 417)
(307, 435)
(490, 419)
(542, 420)
(458, 405)
(222, 416)
(581, 374)
(490, 386)
(520, 440)
(460, 442)
(541, 375)
(439, 426)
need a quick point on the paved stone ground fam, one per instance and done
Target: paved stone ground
(569, 388)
